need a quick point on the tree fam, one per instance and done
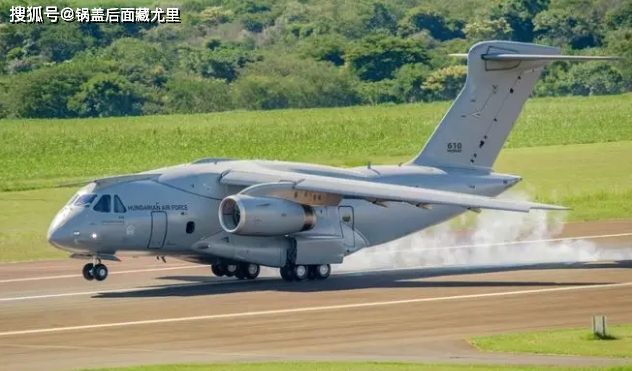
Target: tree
(193, 94)
(488, 29)
(61, 42)
(328, 48)
(520, 14)
(561, 27)
(441, 28)
(591, 78)
(445, 83)
(377, 57)
(44, 93)
(104, 95)
(382, 20)
(620, 17)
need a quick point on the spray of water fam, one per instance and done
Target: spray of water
(493, 240)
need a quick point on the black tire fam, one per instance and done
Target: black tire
(87, 272)
(300, 272)
(286, 274)
(230, 271)
(252, 271)
(218, 270)
(322, 271)
(100, 272)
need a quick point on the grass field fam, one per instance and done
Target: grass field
(579, 342)
(594, 178)
(359, 367)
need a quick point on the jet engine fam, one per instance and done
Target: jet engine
(264, 216)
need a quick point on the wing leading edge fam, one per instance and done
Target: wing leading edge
(374, 191)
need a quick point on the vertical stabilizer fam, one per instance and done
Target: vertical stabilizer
(501, 75)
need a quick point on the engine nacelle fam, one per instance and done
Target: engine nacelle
(264, 216)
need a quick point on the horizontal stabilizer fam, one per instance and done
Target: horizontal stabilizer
(541, 57)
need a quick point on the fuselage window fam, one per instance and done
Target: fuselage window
(104, 204)
(118, 205)
(190, 227)
(85, 200)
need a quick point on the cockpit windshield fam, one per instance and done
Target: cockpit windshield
(85, 200)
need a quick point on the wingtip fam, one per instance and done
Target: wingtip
(550, 207)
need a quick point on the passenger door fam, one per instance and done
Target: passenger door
(158, 230)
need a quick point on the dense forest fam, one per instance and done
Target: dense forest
(271, 54)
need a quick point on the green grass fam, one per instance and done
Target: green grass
(368, 366)
(579, 342)
(41, 153)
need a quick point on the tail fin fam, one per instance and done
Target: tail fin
(500, 77)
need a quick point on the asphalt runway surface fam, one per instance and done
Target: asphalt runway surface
(149, 312)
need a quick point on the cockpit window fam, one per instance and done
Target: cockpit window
(103, 205)
(72, 199)
(118, 205)
(85, 200)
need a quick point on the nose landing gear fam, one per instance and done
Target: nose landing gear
(95, 271)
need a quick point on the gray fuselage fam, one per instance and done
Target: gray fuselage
(167, 215)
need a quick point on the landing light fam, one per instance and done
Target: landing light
(94, 235)
(76, 233)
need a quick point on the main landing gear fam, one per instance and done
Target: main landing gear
(301, 272)
(242, 271)
(250, 271)
(95, 271)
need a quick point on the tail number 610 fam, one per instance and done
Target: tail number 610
(454, 147)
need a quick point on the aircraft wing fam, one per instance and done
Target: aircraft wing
(373, 191)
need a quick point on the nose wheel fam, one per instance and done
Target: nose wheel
(93, 271)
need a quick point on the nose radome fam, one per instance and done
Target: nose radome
(58, 236)
(60, 232)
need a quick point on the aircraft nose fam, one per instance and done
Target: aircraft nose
(59, 236)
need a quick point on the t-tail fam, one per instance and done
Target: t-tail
(501, 75)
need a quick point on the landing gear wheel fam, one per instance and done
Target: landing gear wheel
(231, 270)
(286, 274)
(322, 271)
(300, 272)
(252, 271)
(87, 272)
(100, 272)
(218, 269)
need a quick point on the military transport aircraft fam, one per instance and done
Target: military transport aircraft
(239, 215)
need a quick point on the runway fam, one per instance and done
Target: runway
(148, 312)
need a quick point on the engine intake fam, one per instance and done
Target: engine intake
(264, 216)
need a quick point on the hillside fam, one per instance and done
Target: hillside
(266, 54)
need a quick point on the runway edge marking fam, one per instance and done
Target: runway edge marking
(593, 237)
(309, 309)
